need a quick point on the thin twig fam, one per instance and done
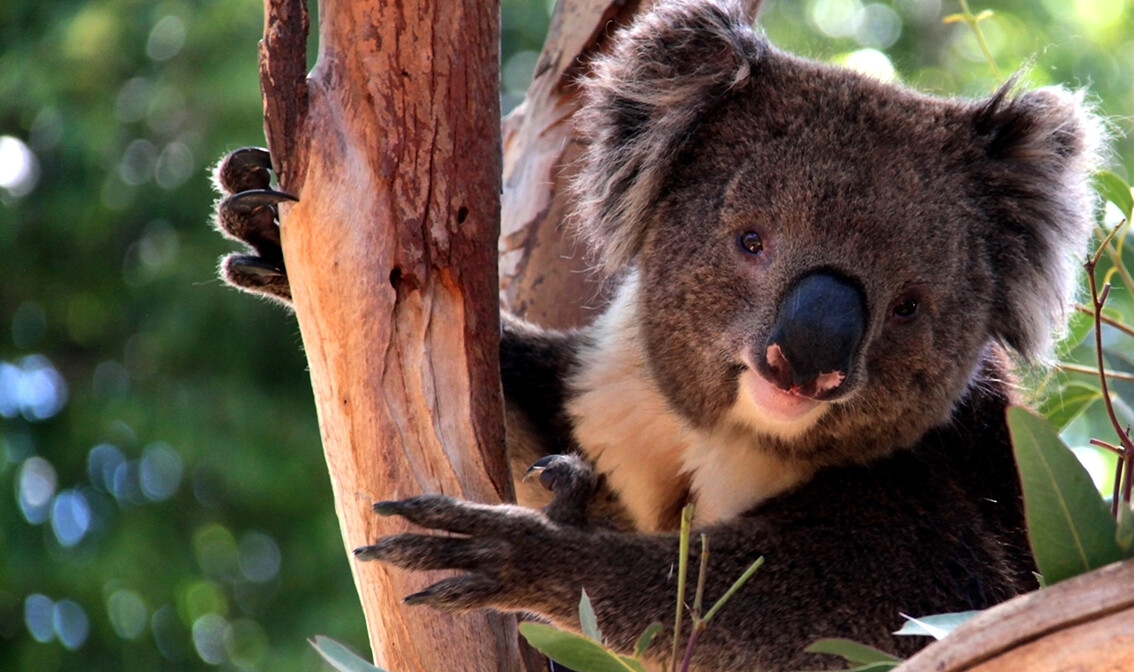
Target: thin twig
(736, 585)
(1099, 443)
(682, 569)
(1108, 321)
(702, 575)
(1117, 482)
(973, 22)
(1125, 471)
(1109, 373)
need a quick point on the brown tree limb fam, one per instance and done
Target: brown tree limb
(392, 146)
(1085, 623)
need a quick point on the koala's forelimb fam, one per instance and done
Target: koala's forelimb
(248, 213)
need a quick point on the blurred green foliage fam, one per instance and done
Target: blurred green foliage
(163, 498)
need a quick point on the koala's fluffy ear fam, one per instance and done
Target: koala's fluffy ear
(640, 104)
(1039, 150)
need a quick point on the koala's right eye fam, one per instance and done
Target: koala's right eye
(751, 242)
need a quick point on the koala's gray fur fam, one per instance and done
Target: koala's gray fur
(881, 487)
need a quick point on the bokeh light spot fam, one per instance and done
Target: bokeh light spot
(71, 624)
(102, 462)
(19, 169)
(128, 614)
(216, 552)
(35, 489)
(70, 517)
(166, 39)
(259, 557)
(38, 615)
(159, 472)
(209, 633)
(870, 62)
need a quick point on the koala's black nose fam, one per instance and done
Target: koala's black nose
(816, 335)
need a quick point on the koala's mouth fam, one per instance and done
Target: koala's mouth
(780, 405)
(763, 406)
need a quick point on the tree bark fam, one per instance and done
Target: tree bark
(392, 144)
(1084, 624)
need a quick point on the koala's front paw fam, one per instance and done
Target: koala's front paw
(503, 550)
(247, 212)
(573, 483)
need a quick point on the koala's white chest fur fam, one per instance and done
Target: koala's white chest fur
(651, 457)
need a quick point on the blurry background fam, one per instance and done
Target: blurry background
(163, 498)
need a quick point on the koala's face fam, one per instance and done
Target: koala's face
(816, 277)
(822, 272)
(823, 258)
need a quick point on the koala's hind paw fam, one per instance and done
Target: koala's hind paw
(572, 480)
(248, 213)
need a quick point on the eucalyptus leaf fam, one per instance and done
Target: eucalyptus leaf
(340, 657)
(1114, 189)
(876, 667)
(587, 618)
(576, 651)
(936, 626)
(1078, 326)
(851, 651)
(646, 639)
(1069, 526)
(1125, 534)
(1068, 402)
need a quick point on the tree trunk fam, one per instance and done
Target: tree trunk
(392, 145)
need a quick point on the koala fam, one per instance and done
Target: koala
(825, 281)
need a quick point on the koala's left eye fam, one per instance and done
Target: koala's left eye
(751, 242)
(905, 309)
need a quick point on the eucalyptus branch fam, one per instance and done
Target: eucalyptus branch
(1124, 474)
(1108, 321)
(1106, 446)
(1114, 253)
(1109, 373)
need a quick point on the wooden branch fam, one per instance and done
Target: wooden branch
(1085, 624)
(392, 146)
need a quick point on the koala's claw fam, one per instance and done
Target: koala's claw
(572, 480)
(248, 213)
(461, 593)
(438, 512)
(244, 169)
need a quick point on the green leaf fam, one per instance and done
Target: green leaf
(1125, 535)
(1069, 527)
(1078, 326)
(576, 651)
(1114, 189)
(936, 626)
(587, 618)
(340, 657)
(852, 651)
(1068, 402)
(646, 639)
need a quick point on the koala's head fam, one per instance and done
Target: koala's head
(822, 256)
